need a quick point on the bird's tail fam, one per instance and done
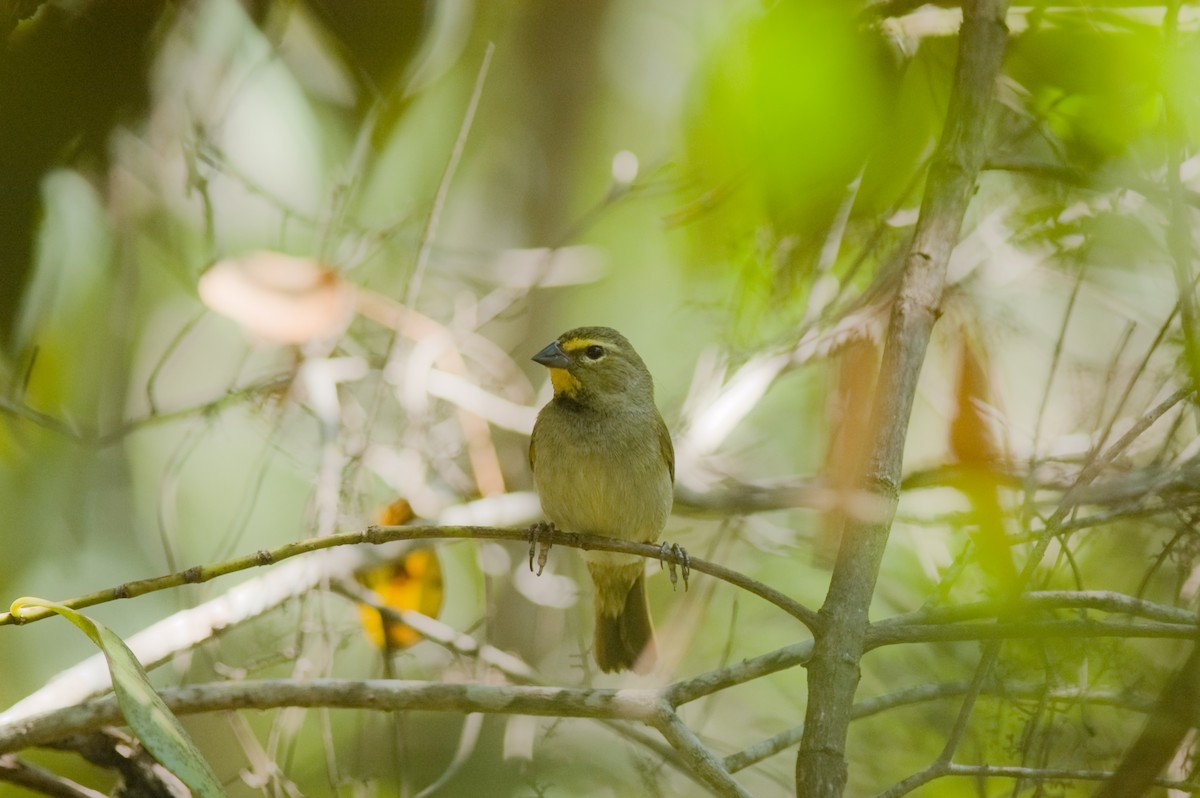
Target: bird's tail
(624, 635)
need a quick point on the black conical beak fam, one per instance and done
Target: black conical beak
(552, 357)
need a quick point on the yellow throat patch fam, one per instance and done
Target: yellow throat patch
(563, 382)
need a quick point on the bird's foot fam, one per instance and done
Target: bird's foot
(669, 554)
(539, 546)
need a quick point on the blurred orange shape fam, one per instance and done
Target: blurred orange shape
(972, 437)
(413, 582)
(279, 298)
(974, 444)
(849, 412)
(395, 514)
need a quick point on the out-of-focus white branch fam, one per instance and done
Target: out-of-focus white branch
(159, 642)
(443, 634)
(717, 401)
(716, 405)
(469, 396)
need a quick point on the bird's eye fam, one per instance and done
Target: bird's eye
(594, 352)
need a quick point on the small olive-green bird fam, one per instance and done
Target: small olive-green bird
(603, 464)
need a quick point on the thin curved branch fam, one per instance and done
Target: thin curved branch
(877, 636)
(186, 629)
(1090, 472)
(925, 693)
(945, 758)
(747, 670)
(392, 695)
(376, 535)
(697, 754)
(269, 385)
(643, 706)
(36, 779)
(1092, 180)
(1015, 772)
(1103, 600)
(1055, 774)
(513, 668)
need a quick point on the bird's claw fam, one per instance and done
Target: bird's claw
(669, 554)
(539, 546)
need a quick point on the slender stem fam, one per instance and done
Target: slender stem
(385, 534)
(439, 200)
(697, 754)
(393, 695)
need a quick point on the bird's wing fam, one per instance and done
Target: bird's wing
(664, 445)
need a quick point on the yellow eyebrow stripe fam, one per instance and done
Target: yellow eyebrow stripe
(575, 344)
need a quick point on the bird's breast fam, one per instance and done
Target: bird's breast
(604, 482)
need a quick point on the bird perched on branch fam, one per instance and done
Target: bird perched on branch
(603, 464)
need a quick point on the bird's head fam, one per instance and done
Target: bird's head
(596, 366)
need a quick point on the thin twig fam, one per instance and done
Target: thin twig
(386, 534)
(928, 633)
(697, 754)
(1046, 600)
(1055, 774)
(439, 200)
(738, 673)
(446, 636)
(390, 695)
(36, 779)
(944, 759)
(1089, 473)
(512, 667)
(925, 693)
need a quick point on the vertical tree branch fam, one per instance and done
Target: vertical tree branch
(833, 672)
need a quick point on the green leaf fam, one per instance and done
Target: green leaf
(149, 718)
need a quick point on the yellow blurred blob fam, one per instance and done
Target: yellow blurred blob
(414, 582)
